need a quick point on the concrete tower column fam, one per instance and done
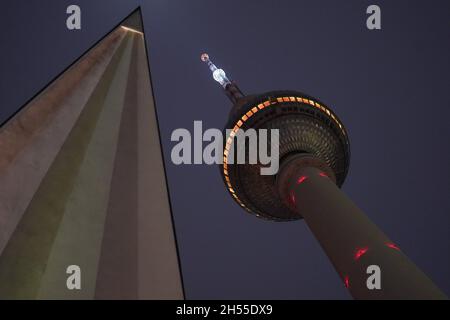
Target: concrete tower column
(351, 241)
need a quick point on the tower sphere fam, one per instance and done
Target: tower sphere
(307, 128)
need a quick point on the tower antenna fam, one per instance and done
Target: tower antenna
(231, 89)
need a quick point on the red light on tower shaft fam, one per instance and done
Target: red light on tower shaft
(323, 174)
(360, 252)
(392, 246)
(292, 198)
(346, 282)
(301, 179)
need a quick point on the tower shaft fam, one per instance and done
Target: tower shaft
(352, 242)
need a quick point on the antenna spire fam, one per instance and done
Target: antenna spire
(231, 89)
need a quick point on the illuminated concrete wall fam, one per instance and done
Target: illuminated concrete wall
(82, 183)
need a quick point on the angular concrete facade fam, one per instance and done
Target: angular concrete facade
(82, 183)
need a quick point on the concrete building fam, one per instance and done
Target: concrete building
(82, 183)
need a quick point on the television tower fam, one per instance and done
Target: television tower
(314, 153)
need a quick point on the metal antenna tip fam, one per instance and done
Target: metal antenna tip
(204, 57)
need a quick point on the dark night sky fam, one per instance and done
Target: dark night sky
(389, 87)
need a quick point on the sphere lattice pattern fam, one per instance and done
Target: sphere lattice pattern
(305, 126)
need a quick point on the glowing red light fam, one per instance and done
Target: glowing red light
(301, 179)
(292, 197)
(392, 246)
(346, 282)
(323, 174)
(360, 252)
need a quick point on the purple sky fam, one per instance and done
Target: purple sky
(389, 87)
